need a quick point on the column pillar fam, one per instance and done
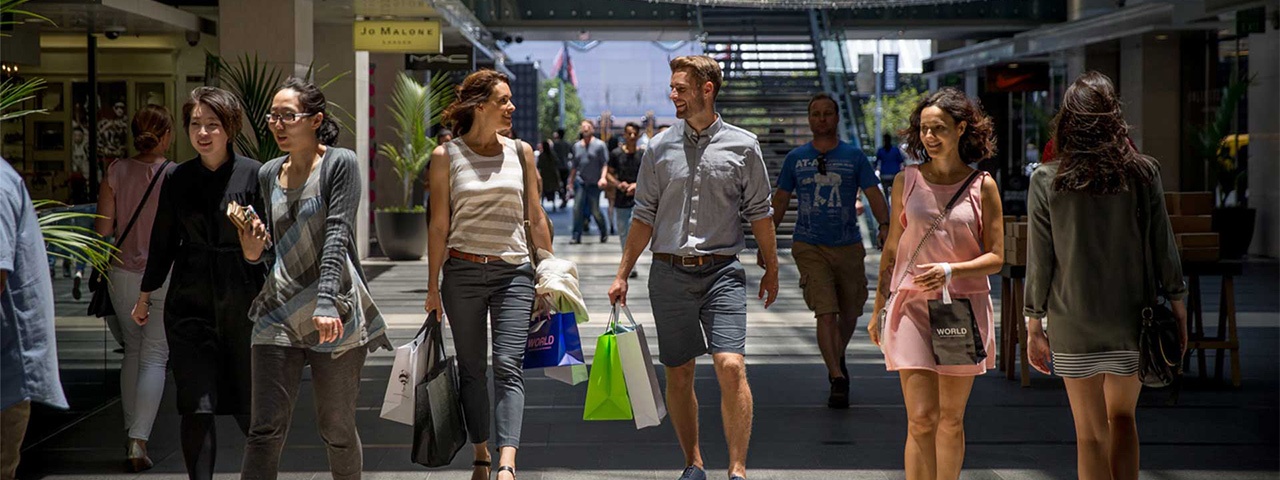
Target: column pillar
(1153, 103)
(280, 32)
(1264, 138)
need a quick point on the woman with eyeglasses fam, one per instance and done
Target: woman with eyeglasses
(206, 307)
(315, 308)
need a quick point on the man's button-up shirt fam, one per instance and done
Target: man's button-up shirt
(696, 188)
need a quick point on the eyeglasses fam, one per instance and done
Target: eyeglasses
(285, 117)
(822, 164)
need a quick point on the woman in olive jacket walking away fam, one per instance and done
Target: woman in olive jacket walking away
(1085, 271)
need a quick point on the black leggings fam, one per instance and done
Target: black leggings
(200, 443)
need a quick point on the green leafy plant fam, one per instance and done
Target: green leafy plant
(14, 93)
(10, 11)
(549, 108)
(65, 239)
(416, 108)
(897, 111)
(255, 82)
(1209, 143)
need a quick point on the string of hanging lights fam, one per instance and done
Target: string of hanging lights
(798, 4)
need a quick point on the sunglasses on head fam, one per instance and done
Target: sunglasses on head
(822, 164)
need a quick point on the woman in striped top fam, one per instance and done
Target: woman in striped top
(315, 308)
(476, 221)
(1085, 271)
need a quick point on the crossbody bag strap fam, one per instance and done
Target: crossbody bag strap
(137, 211)
(933, 228)
(524, 201)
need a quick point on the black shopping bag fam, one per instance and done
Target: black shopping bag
(956, 338)
(438, 428)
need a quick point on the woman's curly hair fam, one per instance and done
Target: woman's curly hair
(977, 143)
(1091, 140)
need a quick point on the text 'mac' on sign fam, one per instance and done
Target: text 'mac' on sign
(451, 59)
(398, 36)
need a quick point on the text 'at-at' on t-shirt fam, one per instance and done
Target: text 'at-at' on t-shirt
(828, 212)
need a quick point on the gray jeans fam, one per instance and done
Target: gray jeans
(277, 373)
(503, 293)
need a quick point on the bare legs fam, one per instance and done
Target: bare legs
(1103, 407)
(736, 407)
(935, 423)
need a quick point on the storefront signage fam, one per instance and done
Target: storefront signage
(391, 36)
(451, 59)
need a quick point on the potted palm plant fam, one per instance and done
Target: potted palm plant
(402, 229)
(1218, 147)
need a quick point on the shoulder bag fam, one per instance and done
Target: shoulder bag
(100, 303)
(954, 331)
(1160, 351)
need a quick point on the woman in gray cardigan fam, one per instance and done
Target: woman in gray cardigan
(315, 308)
(1085, 272)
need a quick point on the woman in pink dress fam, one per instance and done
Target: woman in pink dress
(966, 247)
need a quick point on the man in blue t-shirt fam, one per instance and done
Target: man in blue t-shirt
(889, 159)
(825, 176)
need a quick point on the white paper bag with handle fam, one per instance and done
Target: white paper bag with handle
(637, 369)
(406, 372)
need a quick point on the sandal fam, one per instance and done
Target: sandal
(485, 464)
(511, 470)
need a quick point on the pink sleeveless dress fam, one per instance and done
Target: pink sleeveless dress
(907, 343)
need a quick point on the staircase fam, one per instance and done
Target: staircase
(773, 63)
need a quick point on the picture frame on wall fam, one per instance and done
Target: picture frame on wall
(51, 136)
(51, 98)
(149, 93)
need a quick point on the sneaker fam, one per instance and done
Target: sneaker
(839, 398)
(692, 472)
(603, 238)
(75, 287)
(576, 241)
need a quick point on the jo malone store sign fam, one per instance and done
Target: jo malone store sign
(398, 36)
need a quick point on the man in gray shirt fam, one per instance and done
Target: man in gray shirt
(591, 158)
(698, 180)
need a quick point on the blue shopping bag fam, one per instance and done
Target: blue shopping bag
(553, 342)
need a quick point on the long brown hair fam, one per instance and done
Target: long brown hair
(1091, 140)
(977, 143)
(474, 91)
(149, 126)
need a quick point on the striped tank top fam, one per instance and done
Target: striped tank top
(484, 198)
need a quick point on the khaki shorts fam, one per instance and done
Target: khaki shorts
(834, 279)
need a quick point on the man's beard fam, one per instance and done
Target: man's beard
(693, 107)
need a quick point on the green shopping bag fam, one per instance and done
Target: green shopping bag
(606, 388)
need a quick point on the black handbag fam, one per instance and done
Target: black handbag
(1160, 350)
(100, 303)
(439, 431)
(955, 336)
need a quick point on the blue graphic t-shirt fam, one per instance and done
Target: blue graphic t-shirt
(828, 213)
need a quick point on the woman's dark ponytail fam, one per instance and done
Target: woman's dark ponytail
(313, 102)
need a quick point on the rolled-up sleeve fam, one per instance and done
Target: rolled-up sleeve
(756, 194)
(648, 190)
(1041, 261)
(1164, 248)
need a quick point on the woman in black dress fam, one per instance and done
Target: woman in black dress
(211, 287)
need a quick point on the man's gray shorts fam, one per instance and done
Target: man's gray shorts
(700, 309)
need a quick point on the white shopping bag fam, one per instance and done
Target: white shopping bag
(637, 369)
(570, 374)
(407, 371)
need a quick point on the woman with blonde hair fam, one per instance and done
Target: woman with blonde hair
(484, 186)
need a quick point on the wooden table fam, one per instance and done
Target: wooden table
(1013, 336)
(1226, 339)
